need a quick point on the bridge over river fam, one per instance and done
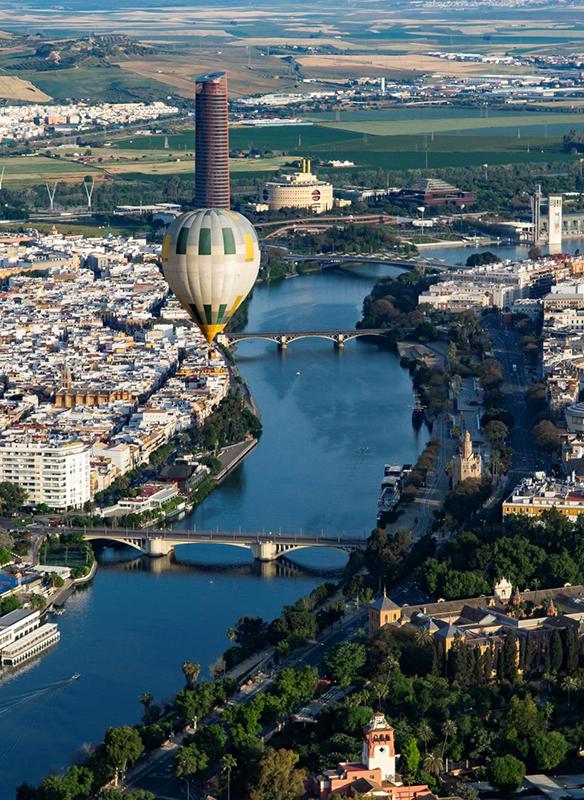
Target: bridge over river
(264, 546)
(284, 338)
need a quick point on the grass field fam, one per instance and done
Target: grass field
(106, 84)
(410, 127)
(366, 150)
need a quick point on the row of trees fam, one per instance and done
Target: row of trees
(543, 553)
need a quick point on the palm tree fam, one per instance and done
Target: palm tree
(434, 763)
(231, 634)
(390, 662)
(191, 671)
(381, 691)
(423, 637)
(448, 729)
(424, 734)
(569, 684)
(228, 763)
(146, 699)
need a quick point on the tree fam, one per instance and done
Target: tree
(549, 750)
(12, 497)
(411, 756)
(344, 661)
(556, 651)
(424, 733)
(434, 763)
(278, 777)
(449, 729)
(507, 773)
(191, 670)
(189, 761)
(5, 556)
(76, 783)
(228, 763)
(508, 659)
(547, 436)
(123, 747)
(37, 601)
(496, 433)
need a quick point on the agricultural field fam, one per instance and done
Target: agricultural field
(347, 141)
(529, 122)
(12, 88)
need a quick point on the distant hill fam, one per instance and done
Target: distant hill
(88, 51)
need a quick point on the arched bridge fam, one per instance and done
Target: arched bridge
(264, 546)
(284, 338)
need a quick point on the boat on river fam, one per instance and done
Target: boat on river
(391, 488)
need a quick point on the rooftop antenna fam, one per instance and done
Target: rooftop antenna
(2, 177)
(51, 191)
(89, 191)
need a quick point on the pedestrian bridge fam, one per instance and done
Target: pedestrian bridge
(264, 546)
(284, 338)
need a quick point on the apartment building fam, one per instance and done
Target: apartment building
(52, 471)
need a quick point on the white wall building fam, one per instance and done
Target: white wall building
(54, 472)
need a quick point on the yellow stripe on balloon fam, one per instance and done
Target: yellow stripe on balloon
(165, 247)
(235, 306)
(248, 242)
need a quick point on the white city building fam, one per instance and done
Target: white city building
(54, 472)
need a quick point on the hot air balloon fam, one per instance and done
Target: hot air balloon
(211, 258)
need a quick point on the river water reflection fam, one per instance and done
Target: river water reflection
(327, 433)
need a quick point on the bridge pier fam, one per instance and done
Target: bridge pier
(264, 551)
(339, 341)
(282, 342)
(157, 547)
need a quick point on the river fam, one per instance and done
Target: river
(331, 420)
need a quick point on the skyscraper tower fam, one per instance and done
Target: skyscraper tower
(211, 142)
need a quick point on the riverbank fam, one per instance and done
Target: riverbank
(326, 436)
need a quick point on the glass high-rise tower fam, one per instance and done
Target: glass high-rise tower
(211, 142)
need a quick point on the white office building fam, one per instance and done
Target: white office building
(52, 471)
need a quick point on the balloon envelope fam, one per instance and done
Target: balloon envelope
(211, 259)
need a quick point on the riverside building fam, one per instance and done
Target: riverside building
(22, 636)
(298, 190)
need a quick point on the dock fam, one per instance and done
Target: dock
(231, 456)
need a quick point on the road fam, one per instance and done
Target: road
(418, 516)
(517, 378)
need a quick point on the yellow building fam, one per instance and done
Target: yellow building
(298, 190)
(466, 463)
(383, 612)
(535, 495)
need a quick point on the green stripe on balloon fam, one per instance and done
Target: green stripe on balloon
(205, 242)
(181, 243)
(228, 242)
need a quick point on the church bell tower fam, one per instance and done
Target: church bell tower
(379, 747)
